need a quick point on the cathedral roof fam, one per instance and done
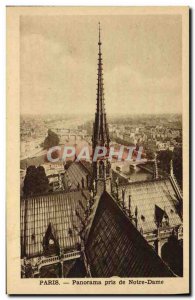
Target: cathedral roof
(76, 172)
(59, 211)
(114, 246)
(146, 196)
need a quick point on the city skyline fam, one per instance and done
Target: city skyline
(49, 56)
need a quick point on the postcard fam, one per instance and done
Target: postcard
(97, 150)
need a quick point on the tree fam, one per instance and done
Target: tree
(30, 181)
(51, 140)
(164, 157)
(35, 181)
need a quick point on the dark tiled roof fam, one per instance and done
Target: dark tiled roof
(114, 247)
(58, 210)
(75, 173)
(77, 269)
(87, 166)
(148, 194)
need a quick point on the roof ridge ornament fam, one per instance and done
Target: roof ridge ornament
(155, 172)
(171, 168)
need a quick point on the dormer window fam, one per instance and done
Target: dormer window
(50, 242)
(161, 217)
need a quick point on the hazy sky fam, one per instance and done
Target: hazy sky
(141, 59)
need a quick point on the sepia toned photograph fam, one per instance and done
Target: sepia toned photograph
(102, 137)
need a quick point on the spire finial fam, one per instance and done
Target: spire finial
(99, 43)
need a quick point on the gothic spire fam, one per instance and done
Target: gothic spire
(100, 84)
(100, 129)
